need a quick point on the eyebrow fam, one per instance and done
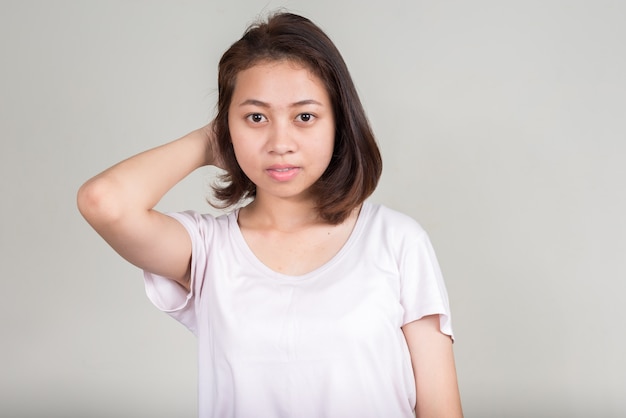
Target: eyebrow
(255, 102)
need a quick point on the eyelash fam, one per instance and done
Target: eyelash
(310, 117)
(251, 117)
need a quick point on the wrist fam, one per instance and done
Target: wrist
(211, 148)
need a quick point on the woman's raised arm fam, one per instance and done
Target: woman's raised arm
(118, 203)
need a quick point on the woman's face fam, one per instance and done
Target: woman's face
(282, 128)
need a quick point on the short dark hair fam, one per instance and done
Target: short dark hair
(356, 163)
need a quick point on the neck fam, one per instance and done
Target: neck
(284, 215)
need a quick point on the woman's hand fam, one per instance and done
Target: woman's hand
(213, 154)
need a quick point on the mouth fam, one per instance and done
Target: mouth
(282, 172)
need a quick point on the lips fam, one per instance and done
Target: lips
(283, 172)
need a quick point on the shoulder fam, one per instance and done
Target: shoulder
(394, 232)
(390, 221)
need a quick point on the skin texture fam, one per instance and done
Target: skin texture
(118, 203)
(281, 117)
(434, 369)
(282, 129)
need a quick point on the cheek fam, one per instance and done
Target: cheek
(236, 137)
(232, 126)
(243, 155)
(329, 146)
(239, 151)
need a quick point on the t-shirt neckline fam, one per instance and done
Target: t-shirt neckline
(244, 248)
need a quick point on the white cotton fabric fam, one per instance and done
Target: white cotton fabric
(325, 344)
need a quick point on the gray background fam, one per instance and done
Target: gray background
(502, 128)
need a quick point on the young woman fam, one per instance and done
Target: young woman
(306, 299)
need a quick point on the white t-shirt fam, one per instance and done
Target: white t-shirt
(324, 344)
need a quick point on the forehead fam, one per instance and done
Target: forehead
(279, 81)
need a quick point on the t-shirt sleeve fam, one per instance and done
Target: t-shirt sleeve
(167, 295)
(423, 291)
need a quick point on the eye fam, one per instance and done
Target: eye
(256, 118)
(305, 117)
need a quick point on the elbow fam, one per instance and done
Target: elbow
(97, 202)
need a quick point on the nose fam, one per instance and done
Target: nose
(281, 139)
